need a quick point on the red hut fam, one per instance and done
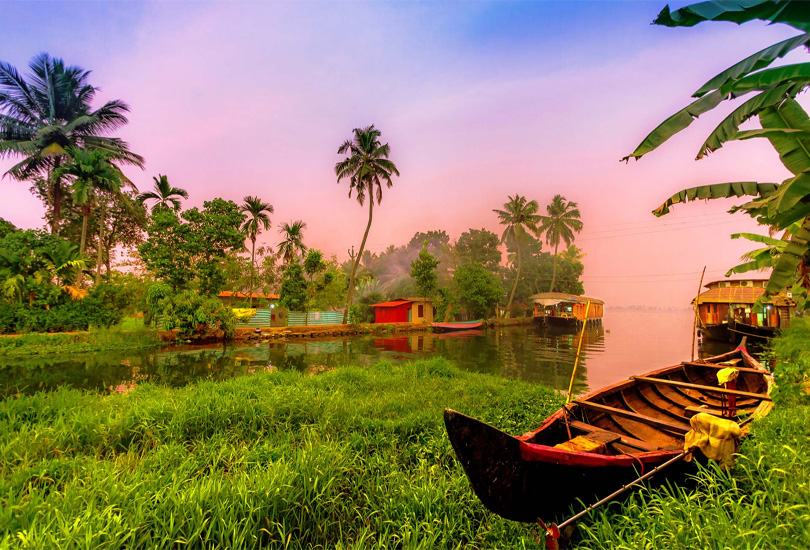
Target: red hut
(404, 310)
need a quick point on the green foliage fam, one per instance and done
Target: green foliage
(479, 246)
(6, 227)
(293, 288)
(93, 311)
(330, 288)
(423, 272)
(350, 458)
(478, 290)
(791, 350)
(194, 246)
(197, 316)
(155, 294)
(446, 304)
(165, 196)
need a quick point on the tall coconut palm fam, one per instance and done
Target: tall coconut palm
(560, 225)
(519, 216)
(293, 243)
(92, 171)
(257, 212)
(164, 195)
(44, 116)
(366, 167)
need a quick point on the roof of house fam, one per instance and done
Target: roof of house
(394, 303)
(401, 301)
(228, 294)
(737, 281)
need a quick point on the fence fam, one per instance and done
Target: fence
(315, 318)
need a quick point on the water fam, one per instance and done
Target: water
(629, 342)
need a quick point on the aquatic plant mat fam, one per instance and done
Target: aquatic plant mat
(351, 458)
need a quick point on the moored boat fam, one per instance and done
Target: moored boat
(603, 440)
(561, 310)
(731, 310)
(451, 327)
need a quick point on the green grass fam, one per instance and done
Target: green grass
(112, 339)
(352, 458)
(764, 502)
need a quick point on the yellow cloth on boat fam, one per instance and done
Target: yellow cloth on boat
(724, 376)
(717, 438)
(582, 444)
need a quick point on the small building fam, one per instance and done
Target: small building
(236, 299)
(404, 310)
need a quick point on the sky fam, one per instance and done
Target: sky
(478, 101)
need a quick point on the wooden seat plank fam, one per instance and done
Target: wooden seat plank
(716, 389)
(719, 366)
(623, 439)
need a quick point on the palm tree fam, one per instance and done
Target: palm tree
(518, 215)
(93, 172)
(293, 243)
(366, 167)
(257, 212)
(41, 118)
(560, 224)
(165, 195)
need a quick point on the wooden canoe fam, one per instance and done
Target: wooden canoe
(452, 327)
(640, 422)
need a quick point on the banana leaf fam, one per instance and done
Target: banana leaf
(718, 191)
(755, 62)
(757, 238)
(790, 12)
(726, 130)
(790, 193)
(794, 151)
(771, 132)
(797, 72)
(755, 265)
(677, 122)
(794, 253)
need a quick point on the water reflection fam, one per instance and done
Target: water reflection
(628, 343)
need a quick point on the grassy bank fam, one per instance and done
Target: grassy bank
(112, 339)
(764, 502)
(352, 458)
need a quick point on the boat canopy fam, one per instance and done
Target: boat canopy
(554, 298)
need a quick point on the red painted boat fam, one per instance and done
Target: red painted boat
(452, 327)
(626, 429)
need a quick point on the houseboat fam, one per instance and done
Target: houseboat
(558, 309)
(729, 310)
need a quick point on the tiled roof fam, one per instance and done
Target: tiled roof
(228, 294)
(731, 295)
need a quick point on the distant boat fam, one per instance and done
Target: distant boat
(559, 309)
(603, 440)
(729, 310)
(452, 327)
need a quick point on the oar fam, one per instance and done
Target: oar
(553, 530)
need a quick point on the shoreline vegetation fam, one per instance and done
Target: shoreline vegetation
(121, 338)
(354, 458)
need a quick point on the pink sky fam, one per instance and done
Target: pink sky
(255, 98)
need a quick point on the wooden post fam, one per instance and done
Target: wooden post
(697, 307)
(579, 349)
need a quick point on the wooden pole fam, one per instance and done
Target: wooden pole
(579, 349)
(697, 306)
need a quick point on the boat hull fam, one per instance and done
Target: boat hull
(455, 327)
(637, 425)
(520, 484)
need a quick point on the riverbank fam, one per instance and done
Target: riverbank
(764, 502)
(58, 343)
(350, 458)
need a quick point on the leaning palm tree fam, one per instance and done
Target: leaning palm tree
(519, 216)
(164, 195)
(366, 167)
(257, 212)
(50, 112)
(560, 225)
(92, 171)
(293, 243)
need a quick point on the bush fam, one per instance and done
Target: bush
(196, 316)
(66, 317)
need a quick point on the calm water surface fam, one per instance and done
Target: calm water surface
(629, 342)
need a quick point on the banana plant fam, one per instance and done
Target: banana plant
(770, 98)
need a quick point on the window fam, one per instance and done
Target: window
(421, 311)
